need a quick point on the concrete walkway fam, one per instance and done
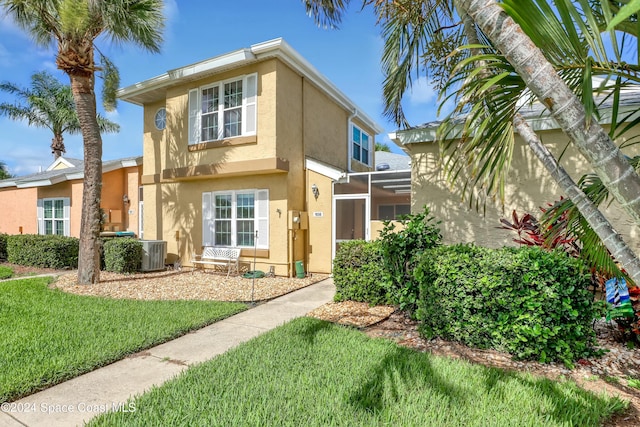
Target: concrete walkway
(76, 401)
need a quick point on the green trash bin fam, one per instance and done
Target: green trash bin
(299, 269)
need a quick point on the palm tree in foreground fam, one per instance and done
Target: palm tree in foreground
(74, 26)
(48, 104)
(529, 64)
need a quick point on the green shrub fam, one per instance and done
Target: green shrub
(527, 302)
(123, 255)
(5, 272)
(358, 272)
(401, 249)
(3, 246)
(43, 251)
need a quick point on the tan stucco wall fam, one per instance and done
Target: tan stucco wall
(528, 188)
(18, 210)
(320, 226)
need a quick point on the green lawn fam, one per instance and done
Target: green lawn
(309, 372)
(49, 336)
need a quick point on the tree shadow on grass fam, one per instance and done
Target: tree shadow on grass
(403, 371)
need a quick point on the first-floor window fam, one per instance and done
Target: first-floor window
(234, 218)
(53, 216)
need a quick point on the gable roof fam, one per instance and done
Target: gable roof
(537, 116)
(62, 163)
(155, 89)
(58, 175)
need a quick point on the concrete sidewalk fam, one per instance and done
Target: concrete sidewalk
(78, 400)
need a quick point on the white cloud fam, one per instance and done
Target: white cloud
(170, 10)
(421, 93)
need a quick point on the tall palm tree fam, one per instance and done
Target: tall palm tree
(4, 172)
(418, 23)
(48, 104)
(74, 26)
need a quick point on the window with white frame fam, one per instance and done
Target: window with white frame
(360, 145)
(53, 216)
(223, 110)
(232, 218)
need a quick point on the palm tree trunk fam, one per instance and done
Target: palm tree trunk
(539, 75)
(598, 222)
(82, 85)
(594, 217)
(57, 146)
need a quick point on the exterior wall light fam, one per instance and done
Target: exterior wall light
(125, 199)
(315, 191)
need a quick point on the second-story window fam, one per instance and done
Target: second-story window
(360, 145)
(223, 110)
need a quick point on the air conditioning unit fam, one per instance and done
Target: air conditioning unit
(153, 254)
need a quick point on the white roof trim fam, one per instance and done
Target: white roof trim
(324, 169)
(272, 48)
(114, 165)
(541, 123)
(60, 160)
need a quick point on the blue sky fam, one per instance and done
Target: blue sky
(197, 30)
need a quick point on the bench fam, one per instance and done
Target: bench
(212, 255)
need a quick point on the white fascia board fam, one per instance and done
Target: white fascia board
(282, 50)
(211, 65)
(324, 169)
(40, 183)
(540, 123)
(72, 176)
(5, 184)
(129, 163)
(208, 66)
(129, 93)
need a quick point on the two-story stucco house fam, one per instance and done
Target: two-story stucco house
(242, 150)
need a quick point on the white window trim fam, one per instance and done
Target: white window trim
(66, 212)
(249, 101)
(261, 216)
(351, 141)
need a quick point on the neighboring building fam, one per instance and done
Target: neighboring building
(528, 186)
(50, 202)
(242, 150)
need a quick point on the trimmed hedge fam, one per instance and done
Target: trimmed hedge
(48, 251)
(122, 255)
(3, 246)
(358, 272)
(525, 301)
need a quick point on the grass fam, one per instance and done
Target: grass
(633, 382)
(5, 272)
(309, 372)
(49, 336)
